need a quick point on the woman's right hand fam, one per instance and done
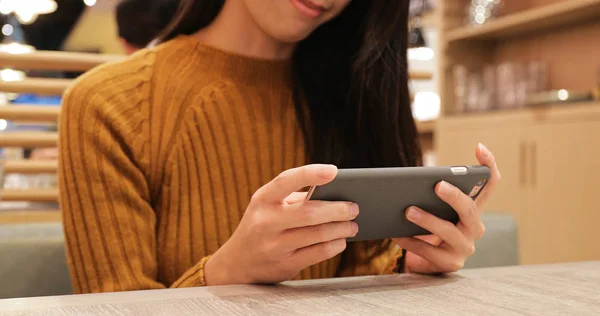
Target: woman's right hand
(280, 234)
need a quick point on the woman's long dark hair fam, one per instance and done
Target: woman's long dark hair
(350, 83)
(351, 75)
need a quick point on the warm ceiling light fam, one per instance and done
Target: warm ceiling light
(7, 29)
(421, 53)
(16, 48)
(27, 11)
(10, 75)
(89, 3)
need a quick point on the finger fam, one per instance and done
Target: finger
(447, 231)
(467, 209)
(296, 197)
(311, 213)
(486, 158)
(314, 254)
(293, 180)
(431, 239)
(438, 257)
(298, 238)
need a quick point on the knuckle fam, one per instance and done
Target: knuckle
(481, 230)
(260, 221)
(456, 265)
(266, 247)
(257, 197)
(286, 174)
(344, 210)
(281, 178)
(472, 208)
(300, 172)
(471, 249)
(310, 212)
(320, 232)
(349, 229)
(447, 227)
(455, 194)
(332, 248)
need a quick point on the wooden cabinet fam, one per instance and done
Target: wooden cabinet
(456, 144)
(549, 156)
(564, 222)
(549, 160)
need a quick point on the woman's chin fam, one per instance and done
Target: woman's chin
(292, 35)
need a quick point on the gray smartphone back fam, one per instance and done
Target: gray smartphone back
(384, 194)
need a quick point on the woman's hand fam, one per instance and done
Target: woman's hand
(281, 233)
(450, 245)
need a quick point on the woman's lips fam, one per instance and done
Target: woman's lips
(308, 8)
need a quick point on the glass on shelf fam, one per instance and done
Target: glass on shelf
(474, 92)
(460, 73)
(487, 98)
(505, 85)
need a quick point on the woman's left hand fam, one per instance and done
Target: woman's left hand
(450, 245)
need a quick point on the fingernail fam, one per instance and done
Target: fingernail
(354, 228)
(413, 214)
(484, 151)
(353, 210)
(327, 171)
(444, 188)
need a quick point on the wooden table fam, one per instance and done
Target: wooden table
(569, 289)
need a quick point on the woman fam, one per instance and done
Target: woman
(182, 165)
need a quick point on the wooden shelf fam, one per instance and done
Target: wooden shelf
(29, 113)
(30, 167)
(425, 127)
(36, 85)
(30, 216)
(420, 75)
(539, 19)
(29, 195)
(548, 112)
(29, 139)
(54, 60)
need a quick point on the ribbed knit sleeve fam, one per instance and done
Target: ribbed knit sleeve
(109, 222)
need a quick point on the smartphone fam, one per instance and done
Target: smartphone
(384, 194)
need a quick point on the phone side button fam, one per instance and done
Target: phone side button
(458, 170)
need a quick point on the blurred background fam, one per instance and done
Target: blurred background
(522, 77)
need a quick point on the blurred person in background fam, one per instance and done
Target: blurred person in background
(50, 153)
(140, 21)
(183, 165)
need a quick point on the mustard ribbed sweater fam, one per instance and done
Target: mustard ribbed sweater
(159, 156)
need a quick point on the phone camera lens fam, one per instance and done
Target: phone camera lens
(481, 183)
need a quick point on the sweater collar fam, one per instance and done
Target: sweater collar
(241, 68)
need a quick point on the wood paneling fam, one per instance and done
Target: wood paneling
(571, 54)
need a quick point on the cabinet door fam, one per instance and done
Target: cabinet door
(565, 221)
(507, 139)
(455, 145)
